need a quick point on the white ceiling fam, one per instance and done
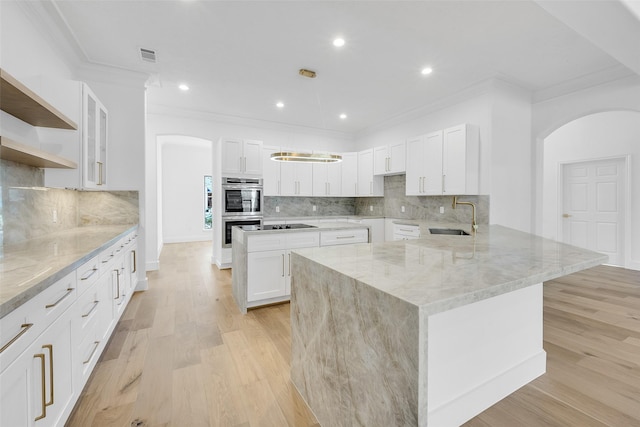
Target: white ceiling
(240, 57)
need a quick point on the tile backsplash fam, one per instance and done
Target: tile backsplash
(390, 206)
(420, 207)
(28, 207)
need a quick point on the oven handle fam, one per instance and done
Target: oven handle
(236, 217)
(242, 187)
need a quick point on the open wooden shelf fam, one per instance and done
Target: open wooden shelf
(21, 153)
(21, 102)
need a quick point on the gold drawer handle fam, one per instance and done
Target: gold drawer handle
(69, 290)
(345, 237)
(44, 393)
(50, 348)
(25, 327)
(95, 304)
(93, 271)
(96, 343)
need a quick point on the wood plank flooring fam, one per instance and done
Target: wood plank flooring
(183, 355)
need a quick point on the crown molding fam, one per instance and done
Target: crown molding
(586, 81)
(112, 75)
(48, 20)
(169, 111)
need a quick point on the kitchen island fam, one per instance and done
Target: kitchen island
(421, 332)
(261, 273)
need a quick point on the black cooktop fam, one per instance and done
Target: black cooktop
(286, 226)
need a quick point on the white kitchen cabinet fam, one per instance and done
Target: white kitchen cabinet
(368, 184)
(376, 228)
(270, 172)
(349, 175)
(460, 160)
(389, 159)
(269, 261)
(266, 275)
(89, 147)
(327, 179)
(37, 388)
(344, 237)
(241, 158)
(296, 179)
(443, 162)
(406, 231)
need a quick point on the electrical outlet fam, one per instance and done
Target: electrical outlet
(277, 208)
(55, 215)
(314, 208)
(370, 208)
(402, 209)
(441, 209)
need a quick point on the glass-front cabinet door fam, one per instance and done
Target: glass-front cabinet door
(94, 141)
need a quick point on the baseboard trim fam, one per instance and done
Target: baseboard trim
(470, 404)
(153, 265)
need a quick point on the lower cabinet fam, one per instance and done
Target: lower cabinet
(37, 388)
(50, 345)
(269, 264)
(266, 275)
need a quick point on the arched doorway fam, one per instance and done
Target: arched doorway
(589, 165)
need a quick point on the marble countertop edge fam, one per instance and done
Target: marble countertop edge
(30, 291)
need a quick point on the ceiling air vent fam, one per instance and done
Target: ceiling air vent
(148, 55)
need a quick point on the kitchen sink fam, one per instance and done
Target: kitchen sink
(449, 231)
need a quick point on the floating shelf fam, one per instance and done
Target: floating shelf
(21, 102)
(21, 153)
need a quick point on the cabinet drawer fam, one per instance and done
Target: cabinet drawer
(405, 232)
(344, 237)
(24, 324)
(88, 273)
(87, 309)
(266, 242)
(308, 239)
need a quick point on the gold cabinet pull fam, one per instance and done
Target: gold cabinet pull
(50, 348)
(88, 313)
(566, 216)
(69, 290)
(93, 271)
(95, 347)
(289, 264)
(135, 262)
(282, 265)
(118, 283)
(42, 382)
(25, 327)
(99, 173)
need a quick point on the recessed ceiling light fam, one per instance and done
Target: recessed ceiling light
(280, 104)
(339, 42)
(183, 87)
(426, 71)
(343, 116)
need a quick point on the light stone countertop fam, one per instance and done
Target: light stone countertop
(440, 272)
(29, 267)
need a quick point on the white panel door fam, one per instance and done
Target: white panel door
(593, 207)
(349, 174)
(415, 166)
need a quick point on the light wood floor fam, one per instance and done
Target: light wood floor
(183, 355)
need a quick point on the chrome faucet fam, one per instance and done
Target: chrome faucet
(474, 224)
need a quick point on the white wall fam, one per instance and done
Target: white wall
(597, 136)
(35, 53)
(502, 113)
(185, 162)
(161, 124)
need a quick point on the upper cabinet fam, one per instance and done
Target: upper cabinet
(94, 140)
(21, 102)
(368, 184)
(296, 178)
(444, 162)
(270, 172)
(327, 179)
(89, 147)
(389, 159)
(349, 175)
(241, 158)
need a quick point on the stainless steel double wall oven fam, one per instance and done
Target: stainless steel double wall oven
(242, 204)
